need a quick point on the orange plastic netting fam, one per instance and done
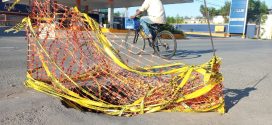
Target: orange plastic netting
(70, 58)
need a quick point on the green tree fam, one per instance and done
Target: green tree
(202, 10)
(256, 11)
(168, 19)
(117, 14)
(212, 11)
(171, 20)
(179, 19)
(225, 11)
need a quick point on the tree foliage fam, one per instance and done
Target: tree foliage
(225, 10)
(256, 11)
(178, 19)
(170, 28)
(212, 11)
(117, 14)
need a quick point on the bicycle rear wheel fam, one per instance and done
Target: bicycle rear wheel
(135, 44)
(165, 44)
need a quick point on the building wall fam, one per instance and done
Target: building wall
(195, 21)
(266, 28)
(250, 33)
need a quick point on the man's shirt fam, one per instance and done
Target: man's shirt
(155, 11)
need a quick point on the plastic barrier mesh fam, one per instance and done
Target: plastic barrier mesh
(71, 59)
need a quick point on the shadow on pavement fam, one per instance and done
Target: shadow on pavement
(234, 96)
(190, 54)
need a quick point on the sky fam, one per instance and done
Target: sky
(188, 9)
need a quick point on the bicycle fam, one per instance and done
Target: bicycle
(163, 42)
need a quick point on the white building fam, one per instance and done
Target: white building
(215, 20)
(195, 21)
(266, 28)
(218, 20)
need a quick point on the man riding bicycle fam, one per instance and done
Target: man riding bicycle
(156, 15)
(162, 41)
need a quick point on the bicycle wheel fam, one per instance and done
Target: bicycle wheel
(165, 44)
(135, 44)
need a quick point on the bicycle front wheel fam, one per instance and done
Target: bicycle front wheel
(165, 44)
(135, 44)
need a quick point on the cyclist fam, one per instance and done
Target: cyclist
(156, 15)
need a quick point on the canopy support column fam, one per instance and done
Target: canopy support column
(111, 15)
(126, 12)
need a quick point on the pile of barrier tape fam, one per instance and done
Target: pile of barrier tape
(71, 59)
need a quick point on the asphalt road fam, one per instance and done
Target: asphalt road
(247, 68)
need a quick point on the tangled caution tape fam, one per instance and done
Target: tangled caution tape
(71, 59)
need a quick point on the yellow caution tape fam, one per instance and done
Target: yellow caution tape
(184, 75)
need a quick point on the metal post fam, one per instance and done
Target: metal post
(86, 9)
(78, 4)
(209, 25)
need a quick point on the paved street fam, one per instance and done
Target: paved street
(247, 68)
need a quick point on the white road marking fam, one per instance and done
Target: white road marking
(7, 47)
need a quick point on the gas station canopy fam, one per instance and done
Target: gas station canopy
(103, 4)
(100, 4)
